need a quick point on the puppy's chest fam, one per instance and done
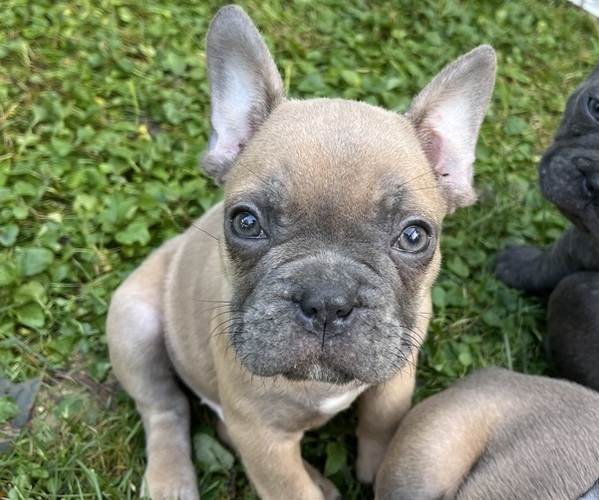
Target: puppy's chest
(331, 404)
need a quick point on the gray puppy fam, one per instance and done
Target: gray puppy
(497, 435)
(569, 177)
(314, 288)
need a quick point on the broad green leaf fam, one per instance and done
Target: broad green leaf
(438, 296)
(33, 291)
(336, 458)
(34, 260)
(62, 147)
(491, 317)
(212, 456)
(465, 358)
(457, 265)
(136, 232)
(20, 212)
(515, 125)
(174, 63)
(7, 274)
(31, 315)
(8, 235)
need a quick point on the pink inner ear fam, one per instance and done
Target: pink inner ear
(451, 164)
(229, 148)
(432, 150)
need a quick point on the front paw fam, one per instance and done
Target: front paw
(328, 489)
(370, 456)
(517, 267)
(180, 484)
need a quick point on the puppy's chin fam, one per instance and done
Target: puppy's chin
(320, 373)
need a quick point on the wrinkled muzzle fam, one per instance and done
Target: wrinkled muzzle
(326, 318)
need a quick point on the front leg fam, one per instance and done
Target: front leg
(380, 411)
(273, 462)
(141, 363)
(136, 342)
(537, 272)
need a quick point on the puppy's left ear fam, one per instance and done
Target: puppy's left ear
(448, 114)
(245, 87)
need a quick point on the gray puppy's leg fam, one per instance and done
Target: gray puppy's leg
(538, 272)
(573, 317)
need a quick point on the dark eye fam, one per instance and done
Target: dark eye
(413, 239)
(246, 225)
(593, 107)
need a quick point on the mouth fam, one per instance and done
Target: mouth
(320, 371)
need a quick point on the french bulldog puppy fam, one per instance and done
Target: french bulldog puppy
(310, 284)
(569, 178)
(497, 435)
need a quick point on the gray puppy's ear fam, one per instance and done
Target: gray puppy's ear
(448, 114)
(245, 87)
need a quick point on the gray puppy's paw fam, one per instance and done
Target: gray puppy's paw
(517, 267)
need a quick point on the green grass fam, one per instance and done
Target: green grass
(103, 114)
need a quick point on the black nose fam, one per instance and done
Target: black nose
(591, 185)
(327, 309)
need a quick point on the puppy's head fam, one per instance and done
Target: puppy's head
(569, 169)
(333, 209)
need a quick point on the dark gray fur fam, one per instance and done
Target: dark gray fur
(569, 178)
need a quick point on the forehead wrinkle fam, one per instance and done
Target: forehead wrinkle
(330, 153)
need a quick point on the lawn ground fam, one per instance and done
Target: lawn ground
(103, 115)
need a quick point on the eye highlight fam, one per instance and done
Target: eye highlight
(593, 108)
(246, 225)
(413, 239)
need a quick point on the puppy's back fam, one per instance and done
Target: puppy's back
(496, 435)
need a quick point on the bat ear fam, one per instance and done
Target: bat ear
(448, 114)
(245, 87)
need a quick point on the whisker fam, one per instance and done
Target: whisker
(212, 301)
(223, 327)
(263, 179)
(205, 232)
(409, 181)
(214, 308)
(425, 188)
(226, 317)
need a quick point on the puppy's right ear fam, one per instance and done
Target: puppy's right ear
(245, 87)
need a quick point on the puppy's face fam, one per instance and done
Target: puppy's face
(333, 209)
(332, 221)
(569, 169)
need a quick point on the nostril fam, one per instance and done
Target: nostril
(344, 312)
(325, 309)
(308, 306)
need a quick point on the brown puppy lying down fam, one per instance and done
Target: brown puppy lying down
(494, 435)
